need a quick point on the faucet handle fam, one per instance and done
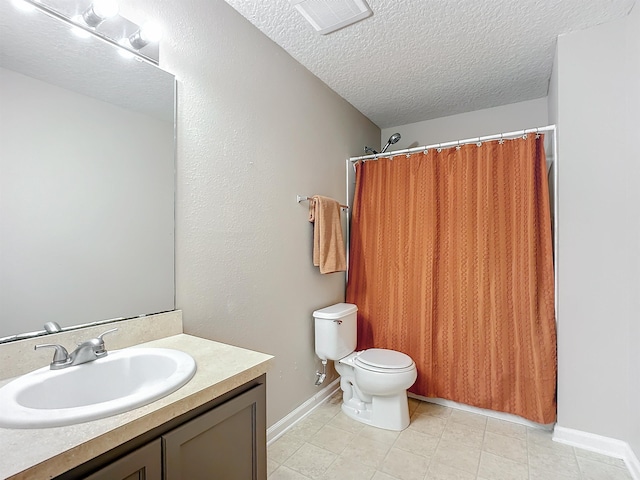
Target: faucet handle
(108, 331)
(98, 343)
(60, 358)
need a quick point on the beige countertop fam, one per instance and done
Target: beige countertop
(45, 453)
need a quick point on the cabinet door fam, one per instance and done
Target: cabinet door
(226, 443)
(144, 463)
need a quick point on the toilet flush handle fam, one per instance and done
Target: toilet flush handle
(339, 322)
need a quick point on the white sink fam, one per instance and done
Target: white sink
(121, 381)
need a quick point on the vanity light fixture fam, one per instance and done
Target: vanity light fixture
(99, 11)
(149, 33)
(101, 18)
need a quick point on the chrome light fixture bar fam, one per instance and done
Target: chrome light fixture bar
(101, 18)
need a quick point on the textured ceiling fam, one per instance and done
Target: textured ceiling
(416, 60)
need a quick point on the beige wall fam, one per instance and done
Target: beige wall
(597, 105)
(255, 128)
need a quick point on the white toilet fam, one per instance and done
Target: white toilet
(374, 382)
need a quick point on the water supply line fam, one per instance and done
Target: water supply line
(320, 376)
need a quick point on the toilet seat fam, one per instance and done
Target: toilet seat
(382, 360)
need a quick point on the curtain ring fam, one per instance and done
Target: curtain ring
(537, 133)
(439, 148)
(501, 141)
(458, 147)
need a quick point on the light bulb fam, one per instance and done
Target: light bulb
(150, 32)
(145, 35)
(105, 8)
(99, 11)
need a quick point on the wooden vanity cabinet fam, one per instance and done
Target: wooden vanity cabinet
(224, 439)
(222, 443)
(145, 463)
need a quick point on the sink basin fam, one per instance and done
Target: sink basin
(121, 381)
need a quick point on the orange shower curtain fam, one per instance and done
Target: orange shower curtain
(451, 262)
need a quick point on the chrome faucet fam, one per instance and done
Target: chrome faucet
(86, 352)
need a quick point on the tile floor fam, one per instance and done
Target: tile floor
(440, 444)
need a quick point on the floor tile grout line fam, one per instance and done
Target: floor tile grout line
(527, 447)
(504, 456)
(526, 432)
(575, 457)
(484, 435)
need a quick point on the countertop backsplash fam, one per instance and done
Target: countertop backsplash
(19, 357)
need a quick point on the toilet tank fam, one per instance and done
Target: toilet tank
(336, 331)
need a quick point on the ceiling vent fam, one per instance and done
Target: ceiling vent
(327, 16)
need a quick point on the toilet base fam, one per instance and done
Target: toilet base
(388, 412)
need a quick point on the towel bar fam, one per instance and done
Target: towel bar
(300, 198)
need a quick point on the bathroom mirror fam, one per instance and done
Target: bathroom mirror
(86, 178)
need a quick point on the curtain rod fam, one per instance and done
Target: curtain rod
(455, 143)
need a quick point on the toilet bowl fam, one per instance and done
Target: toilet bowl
(374, 382)
(376, 394)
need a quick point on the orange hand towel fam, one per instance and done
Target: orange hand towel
(328, 244)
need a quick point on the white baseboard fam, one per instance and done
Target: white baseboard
(482, 411)
(597, 443)
(278, 429)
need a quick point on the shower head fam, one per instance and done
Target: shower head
(392, 139)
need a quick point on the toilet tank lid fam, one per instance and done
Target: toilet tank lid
(336, 311)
